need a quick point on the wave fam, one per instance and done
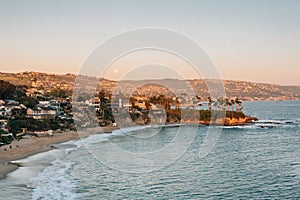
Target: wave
(32, 166)
(51, 178)
(122, 131)
(95, 139)
(43, 172)
(281, 121)
(54, 182)
(268, 124)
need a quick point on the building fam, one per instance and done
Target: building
(41, 113)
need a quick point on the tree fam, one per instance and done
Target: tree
(5, 139)
(210, 103)
(216, 105)
(59, 93)
(132, 100)
(148, 105)
(221, 103)
(102, 96)
(81, 98)
(10, 91)
(232, 107)
(228, 104)
(238, 104)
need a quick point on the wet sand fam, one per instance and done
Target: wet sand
(33, 145)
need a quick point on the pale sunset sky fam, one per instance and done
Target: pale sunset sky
(252, 40)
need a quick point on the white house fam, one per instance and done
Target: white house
(5, 111)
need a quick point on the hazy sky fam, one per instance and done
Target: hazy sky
(256, 40)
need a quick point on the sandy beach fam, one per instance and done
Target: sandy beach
(32, 145)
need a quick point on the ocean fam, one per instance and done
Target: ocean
(256, 161)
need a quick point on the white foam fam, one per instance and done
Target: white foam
(54, 182)
(241, 127)
(284, 123)
(129, 129)
(281, 121)
(97, 138)
(32, 166)
(37, 166)
(266, 124)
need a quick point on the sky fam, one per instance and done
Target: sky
(257, 40)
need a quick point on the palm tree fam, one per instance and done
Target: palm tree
(166, 102)
(238, 104)
(222, 103)
(227, 103)
(232, 107)
(216, 104)
(177, 103)
(210, 103)
(132, 100)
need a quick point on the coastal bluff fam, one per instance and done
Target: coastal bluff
(240, 121)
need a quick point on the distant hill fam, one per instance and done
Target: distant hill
(45, 82)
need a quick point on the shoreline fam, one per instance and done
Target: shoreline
(30, 146)
(33, 145)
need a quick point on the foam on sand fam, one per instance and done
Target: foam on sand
(54, 182)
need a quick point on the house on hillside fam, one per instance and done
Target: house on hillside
(11, 108)
(10, 102)
(41, 113)
(5, 111)
(95, 102)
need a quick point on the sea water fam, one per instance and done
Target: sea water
(256, 161)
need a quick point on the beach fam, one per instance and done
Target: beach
(33, 145)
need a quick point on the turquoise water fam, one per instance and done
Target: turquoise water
(259, 161)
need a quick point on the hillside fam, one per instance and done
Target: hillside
(9, 91)
(45, 82)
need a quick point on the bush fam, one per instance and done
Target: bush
(16, 125)
(5, 139)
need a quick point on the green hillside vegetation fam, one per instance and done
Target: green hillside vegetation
(17, 93)
(16, 125)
